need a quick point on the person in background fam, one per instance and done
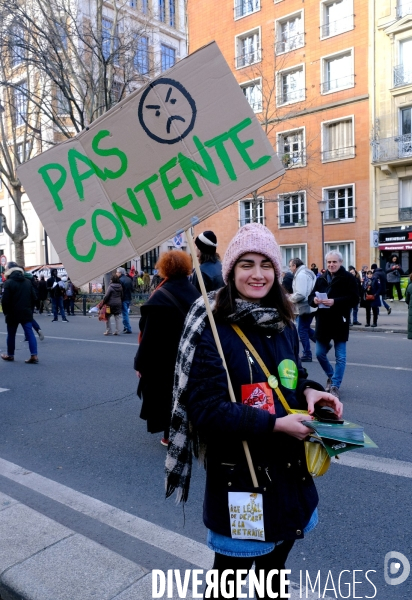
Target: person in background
(161, 325)
(314, 268)
(371, 298)
(355, 309)
(206, 422)
(209, 261)
(56, 294)
(127, 285)
(287, 280)
(18, 301)
(393, 276)
(364, 270)
(146, 282)
(71, 292)
(34, 323)
(408, 300)
(304, 280)
(42, 292)
(380, 274)
(113, 299)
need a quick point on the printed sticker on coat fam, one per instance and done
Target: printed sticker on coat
(246, 516)
(258, 395)
(288, 373)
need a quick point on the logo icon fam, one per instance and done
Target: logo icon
(393, 573)
(167, 112)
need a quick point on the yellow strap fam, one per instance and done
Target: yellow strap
(263, 367)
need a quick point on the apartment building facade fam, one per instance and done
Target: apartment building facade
(391, 110)
(303, 67)
(160, 41)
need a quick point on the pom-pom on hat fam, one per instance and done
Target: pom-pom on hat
(252, 237)
(206, 242)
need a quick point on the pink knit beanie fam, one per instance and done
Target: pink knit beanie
(253, 237)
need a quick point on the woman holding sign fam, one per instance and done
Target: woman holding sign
(246, 524)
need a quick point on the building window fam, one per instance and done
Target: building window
(253, 93)
(61, 31)
(251, 211)
(141, 58)
(144, 6)
(289, 33)
(292, 209)
(291, 148)
(172, 13)
(404, 8)
(341, 204)
(289, 252)
(22, 153)
(109, 43)
(338, 140)
(167, 56)
(247, 49)
(246, 7)
(404, 140)
(337, 17)
(132, 3)
(347, 249)
(17, 43)
(337, 72)
(149, 259)
(162, 11)
(291, 86)
(20, 104)
(405, 199)
(62, 103)
(402, 73)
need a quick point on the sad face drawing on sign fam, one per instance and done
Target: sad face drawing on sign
(167, 112)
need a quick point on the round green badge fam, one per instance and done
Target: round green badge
(288, 373)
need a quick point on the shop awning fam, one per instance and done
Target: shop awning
(397, 246)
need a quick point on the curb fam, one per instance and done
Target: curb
(378, 329)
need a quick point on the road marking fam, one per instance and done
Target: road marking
(52, 337)
(374, 463)
(378, 366)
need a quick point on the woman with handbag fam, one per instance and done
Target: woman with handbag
(113, 302)
(371, 298)
(251, 308)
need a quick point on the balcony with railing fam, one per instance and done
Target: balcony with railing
(338, 153)
(289, 95)
(405, 214)
(402, 75)
(293, 220)
(336, 27)
(247, 58)
(341, 83)
(290, 43)
(338, 214)
(396, 149)
(403, 9)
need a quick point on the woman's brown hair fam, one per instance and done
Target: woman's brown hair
(175, 263)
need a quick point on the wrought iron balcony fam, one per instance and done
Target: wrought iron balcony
(339, 153)
(293, 220)
(289, 95)
(403, 9)
(248, 58)
(402, 75)
(341, 83)
(246, 7)
(336, 27)
(405, 214)
(290, 43)
(393, 148)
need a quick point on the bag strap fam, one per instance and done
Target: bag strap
(262, 365)
(173, 299)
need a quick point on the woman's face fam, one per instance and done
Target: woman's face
(353, 272)
(394, 259)
(254, 276)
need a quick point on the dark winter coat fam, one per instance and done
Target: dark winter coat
(57, 291)
(279, 459)
(381, 275)
(127, 285)
(42, 290)
(114, 298)
(19, 298)
(161, 326)
(287, 282)
(371, 286)
(393, 274)
(408, 300)
(212, 276)
(333, 323)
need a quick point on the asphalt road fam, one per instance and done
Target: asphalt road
(74, 419)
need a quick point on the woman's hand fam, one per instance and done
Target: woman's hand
(324, 399)
(292, 425)
(138, 374)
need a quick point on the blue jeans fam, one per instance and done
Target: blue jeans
(385, 304)
(354, 313)
(125, 315)
(306, 333)
(56, 304)
(28, 332)
(340, 354)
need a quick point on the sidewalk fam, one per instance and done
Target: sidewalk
(396, 322)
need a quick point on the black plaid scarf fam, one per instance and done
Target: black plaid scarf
(183, 437)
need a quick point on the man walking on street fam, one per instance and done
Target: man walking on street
(127, 285)
(333, 317)
(303, 283)
(18, 301)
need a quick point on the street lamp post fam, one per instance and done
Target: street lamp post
(322, 207)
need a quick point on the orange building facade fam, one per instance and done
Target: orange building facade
(303, 66)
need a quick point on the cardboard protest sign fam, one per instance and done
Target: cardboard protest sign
(185, 145)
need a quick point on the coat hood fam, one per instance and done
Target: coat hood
(13, 270)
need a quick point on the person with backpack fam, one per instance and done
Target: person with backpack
(304, 280)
